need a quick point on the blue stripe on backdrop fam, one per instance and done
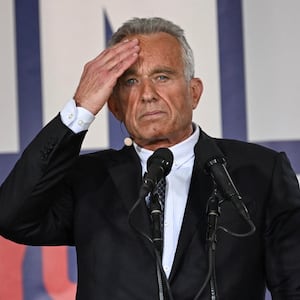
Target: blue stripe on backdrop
(29, 70)
(7, 160)
(292, 148)
(72, 264)
(33, 286)
(231, 52)
(30, 116)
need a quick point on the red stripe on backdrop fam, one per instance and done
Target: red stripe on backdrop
(11, 260)
(55, 273)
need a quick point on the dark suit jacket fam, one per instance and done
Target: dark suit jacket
(54, 197)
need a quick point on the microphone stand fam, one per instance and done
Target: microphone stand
(156, 211)
(155, 207)
(213, 213)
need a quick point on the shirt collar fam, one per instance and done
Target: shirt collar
(183, 151)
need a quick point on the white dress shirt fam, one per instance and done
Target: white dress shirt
(177, 188)
(177, 181)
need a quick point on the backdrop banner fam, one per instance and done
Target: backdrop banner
(246, 53)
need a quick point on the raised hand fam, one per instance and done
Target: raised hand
(100, 75)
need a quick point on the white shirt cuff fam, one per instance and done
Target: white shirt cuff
(76, 118)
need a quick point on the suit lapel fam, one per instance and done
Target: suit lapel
(125, 172)
(195, 219)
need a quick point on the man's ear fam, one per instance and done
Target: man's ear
(114, 107)
(196, 90)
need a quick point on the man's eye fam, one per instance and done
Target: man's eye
(162, 78)
(130, 81)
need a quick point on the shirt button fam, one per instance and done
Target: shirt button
(166, 268)
(80, 123)
(70, 116)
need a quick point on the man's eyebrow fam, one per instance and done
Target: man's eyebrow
(157, 70)
(163, 70)
(129, 72)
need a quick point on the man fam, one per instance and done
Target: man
(55, 197)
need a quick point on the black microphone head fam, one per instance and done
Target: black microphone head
(163, 158)
(210, 154)
(159, 165)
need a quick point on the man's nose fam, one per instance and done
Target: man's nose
(148, 91)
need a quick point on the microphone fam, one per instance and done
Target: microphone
(214, 162)
(159, 165)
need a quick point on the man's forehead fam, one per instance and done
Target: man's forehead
(159, 53)
(154, 40)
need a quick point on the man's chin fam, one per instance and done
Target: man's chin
(152, 142)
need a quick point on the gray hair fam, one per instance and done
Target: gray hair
(155, 25)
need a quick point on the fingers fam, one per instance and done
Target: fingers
(101, 74)
(122, 53)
